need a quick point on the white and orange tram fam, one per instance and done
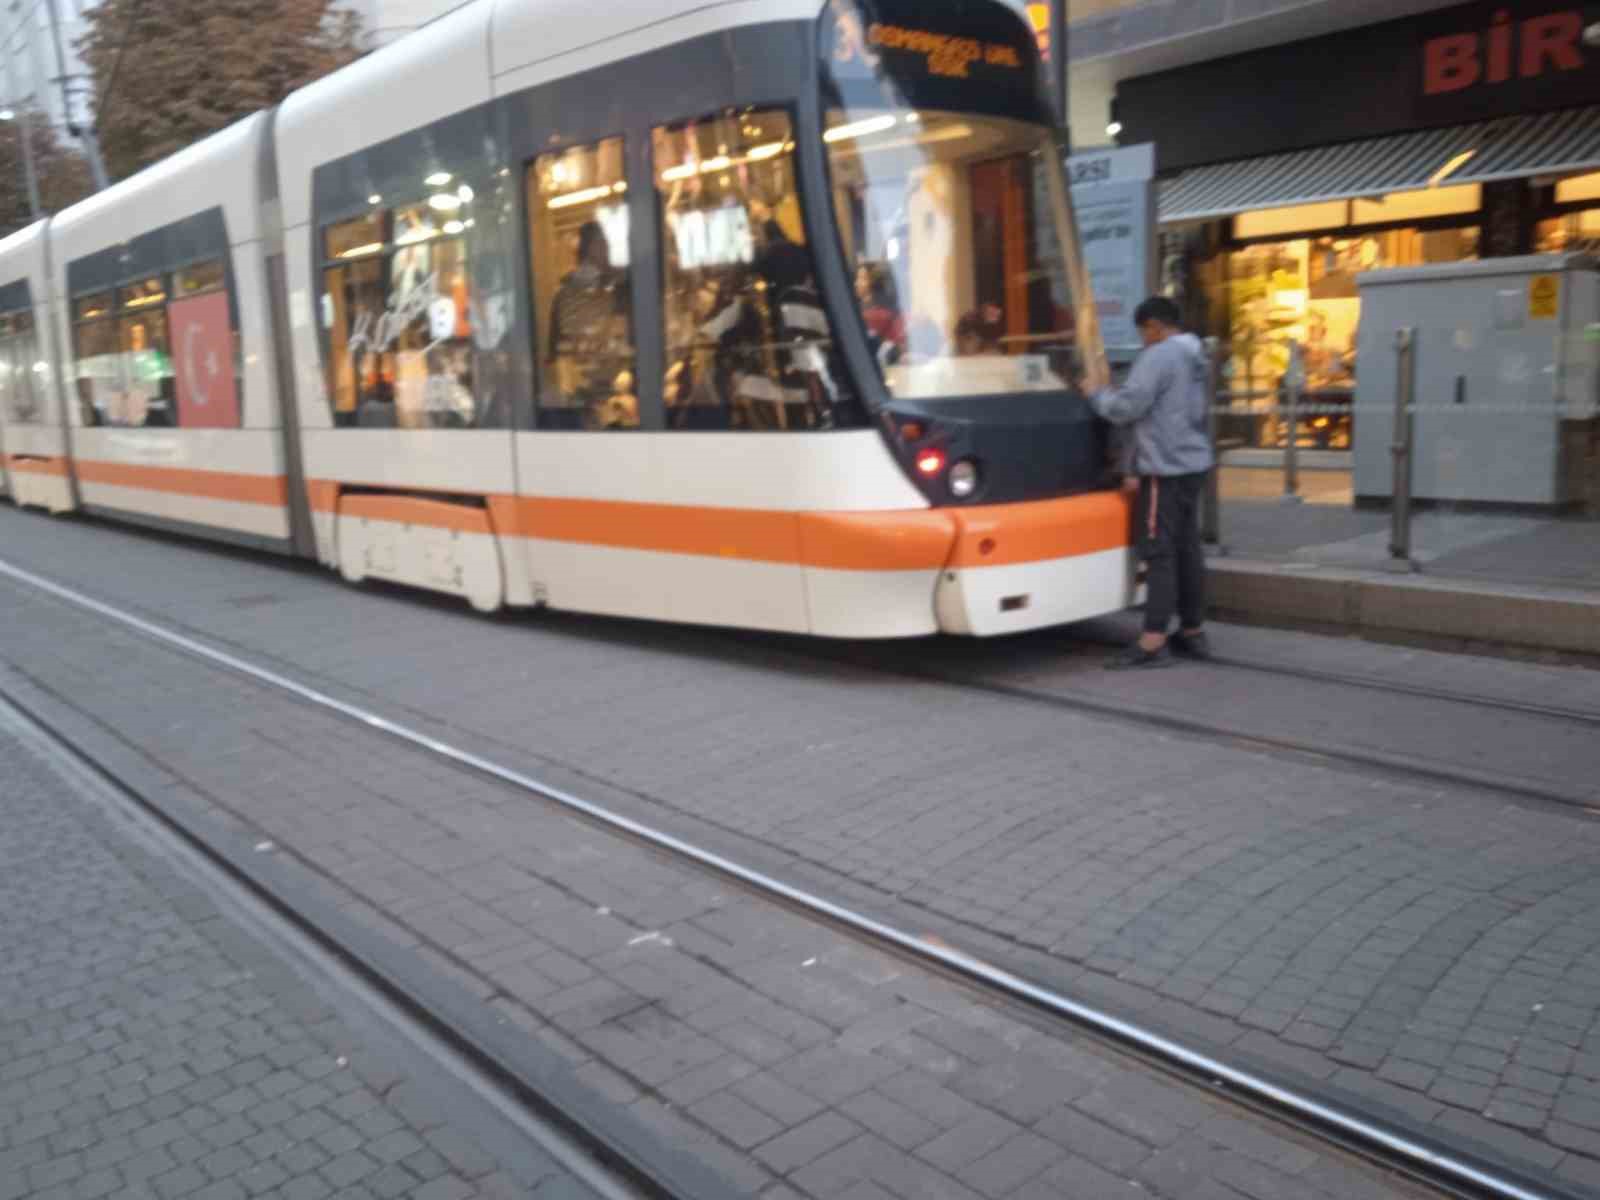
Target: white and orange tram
(730, 313)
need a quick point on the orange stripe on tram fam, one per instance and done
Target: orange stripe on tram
(896, 540)
(23, 464)
(211, 485)
(756, 535)
(323, 495)
(1002, 535)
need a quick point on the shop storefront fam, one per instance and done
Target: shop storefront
(1468, 132)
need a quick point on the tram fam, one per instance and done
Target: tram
(735, 314)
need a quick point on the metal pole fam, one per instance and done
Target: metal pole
(1294, 380)
(25, 135)
(1211, 514)
(91, 142)
(1058, 58)
(1400, 533)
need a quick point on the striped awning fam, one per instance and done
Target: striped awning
(1514, 148)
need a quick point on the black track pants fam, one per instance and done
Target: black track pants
(1167, 533)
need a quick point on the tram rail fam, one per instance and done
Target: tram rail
(1070, 698)
(577, 1146)
(1556, 712)
(1415, 1155)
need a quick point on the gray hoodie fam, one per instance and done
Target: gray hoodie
(1164, 399)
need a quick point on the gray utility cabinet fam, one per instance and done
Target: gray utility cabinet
(1507, 351)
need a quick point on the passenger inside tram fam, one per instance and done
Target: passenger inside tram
(979, 332)
(886, 325)
(582, 288)
(587, 319)
(960, 212)
(748, 341)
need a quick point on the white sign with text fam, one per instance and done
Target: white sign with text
(1113, 193)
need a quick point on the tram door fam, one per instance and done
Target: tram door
(17, 400)
(8, 383)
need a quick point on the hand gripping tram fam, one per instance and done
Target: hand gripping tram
(730, 313)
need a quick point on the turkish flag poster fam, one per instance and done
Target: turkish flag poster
(202, 359)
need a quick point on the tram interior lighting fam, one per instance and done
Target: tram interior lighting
(358, 251)
(942, 133)
(444, 201)
(453, 227)
(930, 462)
(588, 195)
(722, 162)
(862, 128)
(142, 301)
(438, 179)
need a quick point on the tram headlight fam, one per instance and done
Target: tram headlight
(964, 479)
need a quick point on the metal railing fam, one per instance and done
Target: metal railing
(1400, 559)
(1290, 407)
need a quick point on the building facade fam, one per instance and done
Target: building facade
(32, 71)
(1300, 144)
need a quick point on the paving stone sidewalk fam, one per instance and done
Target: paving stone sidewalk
(151, 1051)
(1434, 950)
(795, 1062)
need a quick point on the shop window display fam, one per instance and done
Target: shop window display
(1304, 290)
(1570, 233)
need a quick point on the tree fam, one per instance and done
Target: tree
(168, 74)
(63, 173)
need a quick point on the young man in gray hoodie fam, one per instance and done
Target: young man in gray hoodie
(1164, 401)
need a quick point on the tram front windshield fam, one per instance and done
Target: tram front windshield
(950, 200)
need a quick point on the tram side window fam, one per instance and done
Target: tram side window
(19, 385)
(149, 385)
(429, 325)
(208, 276)
(98, 363)
(582, 289)
(360, 375)
(396, 309)
(748, 343)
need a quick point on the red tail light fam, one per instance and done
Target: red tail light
(930, 462)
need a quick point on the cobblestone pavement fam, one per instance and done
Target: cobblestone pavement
(151, 1051)
(1431, 950)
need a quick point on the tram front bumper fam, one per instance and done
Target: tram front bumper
(1016, 567)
